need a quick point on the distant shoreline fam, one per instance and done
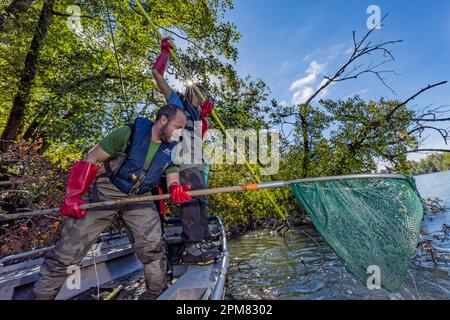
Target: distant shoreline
(421, 174)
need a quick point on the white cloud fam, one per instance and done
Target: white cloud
(330, 53)
(315, 53)
(313, 70)
(303, 87)
(302, 95)
(299, 83)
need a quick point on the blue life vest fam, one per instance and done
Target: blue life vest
(128, 178)
(191, 112)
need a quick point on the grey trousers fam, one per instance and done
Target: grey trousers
(194, 215)
(143, 226)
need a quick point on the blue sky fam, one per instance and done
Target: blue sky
(285, 42)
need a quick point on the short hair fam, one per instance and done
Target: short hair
(169, 111)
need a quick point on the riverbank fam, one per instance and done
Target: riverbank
(271, 224)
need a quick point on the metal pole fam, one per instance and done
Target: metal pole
(214, 114)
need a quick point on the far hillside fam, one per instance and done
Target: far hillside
(432, 163)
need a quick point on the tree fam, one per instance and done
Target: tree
(431, 163)
(13, 12)
(17, 113)
(69, 91)
(363, 132)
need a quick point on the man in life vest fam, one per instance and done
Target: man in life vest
(198, 249)
(134, 157)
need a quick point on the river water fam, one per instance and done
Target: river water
(263, 267)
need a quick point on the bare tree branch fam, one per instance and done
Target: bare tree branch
(427, 150)
(417, 94)
(361, 48)
(443, 132)
(431, 120)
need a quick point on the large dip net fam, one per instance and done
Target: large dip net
(367, 222)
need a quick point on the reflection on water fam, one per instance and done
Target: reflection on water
(262, 267)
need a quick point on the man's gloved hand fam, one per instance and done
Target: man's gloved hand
(166, 45)
(206, 108)
(162, 60)
(178, 193)
(81, 177)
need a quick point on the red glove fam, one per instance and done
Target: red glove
(206, 108)
(161, 203)
(161, 62)
(178, 193)
(81, 177)
(204, 125)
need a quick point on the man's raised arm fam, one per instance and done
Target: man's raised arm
(160, 67)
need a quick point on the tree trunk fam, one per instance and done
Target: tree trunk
(33, 129)
(304, 110)
(16, 115)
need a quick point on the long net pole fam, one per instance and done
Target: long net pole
(202, 192)
(181, 67)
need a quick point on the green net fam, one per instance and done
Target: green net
(367, 222)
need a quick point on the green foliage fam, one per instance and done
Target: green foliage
(347, 136)
(432, 163)
(364, 133)
(246, 207)
(77, 95)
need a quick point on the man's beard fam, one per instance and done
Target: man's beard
(164, 134)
